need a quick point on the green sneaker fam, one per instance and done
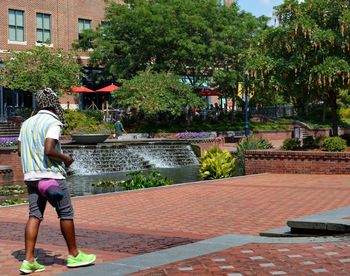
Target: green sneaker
(81, 259)
(27, 267)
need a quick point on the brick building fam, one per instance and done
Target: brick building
(25, 23)
(56, 23)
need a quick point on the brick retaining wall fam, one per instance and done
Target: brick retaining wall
(9, 157)
(298, 162)
(273, 134)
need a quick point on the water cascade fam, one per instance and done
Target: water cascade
(107, 158)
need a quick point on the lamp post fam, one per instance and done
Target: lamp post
(246, 104)
(246, 111)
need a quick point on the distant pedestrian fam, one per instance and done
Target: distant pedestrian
(118, 128)
(44, 174)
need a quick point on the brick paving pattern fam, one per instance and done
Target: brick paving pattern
(265, 259)
(124, 224)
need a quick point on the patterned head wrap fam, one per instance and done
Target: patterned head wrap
(47, 98)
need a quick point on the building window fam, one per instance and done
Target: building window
(104, 24)
(83, 24)
(43, 28)
(16, 25)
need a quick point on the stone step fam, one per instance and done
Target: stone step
(332, 222)
(319, 226)
(8, 129)
(9, 134)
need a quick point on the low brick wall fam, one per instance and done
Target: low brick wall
(273, 134)
(298, 162)
(9, 157)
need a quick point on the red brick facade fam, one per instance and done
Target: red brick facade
(64, 20)
(298, 162)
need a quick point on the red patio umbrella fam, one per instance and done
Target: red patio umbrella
(109, 88)
(80, 89)
(209, 92)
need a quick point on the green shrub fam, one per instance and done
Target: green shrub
(137, 180)
(140, 180)
(87, 122)
(291, 144)
(217, 164)
(96, 114)
(264, 144)
(12, 190)
(9, 202)
(334, 144)
(249, 144)
(106, 183)
(344, 112)
(310, 142)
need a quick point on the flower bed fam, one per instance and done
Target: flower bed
(8, 142)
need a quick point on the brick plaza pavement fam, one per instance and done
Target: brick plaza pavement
(265, 259)
(121, 225)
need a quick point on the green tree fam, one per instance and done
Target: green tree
(40, 67)
(311, 48)
(243, 36)
(152, 93)
(195, 39)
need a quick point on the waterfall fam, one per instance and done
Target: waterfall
(107, 158)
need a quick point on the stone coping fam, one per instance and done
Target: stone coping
(297, 154)
(116, 143)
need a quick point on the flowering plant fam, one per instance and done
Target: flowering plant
(8, 141)
(192, 135)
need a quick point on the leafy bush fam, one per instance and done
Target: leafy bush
(249, 144)
(344, 113)
(12, 190)
(137, 180)
(264, 144)
(106, 183)
(310, 142)
(140, 180)
(8, 142)
(9, 202)
(334, 144)
(217, 164)
(291, 144)
(85, 122)
(96, 114)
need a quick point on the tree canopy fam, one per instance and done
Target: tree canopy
(40, 67)
(152, 93)
(195, 39)
(309, 51)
